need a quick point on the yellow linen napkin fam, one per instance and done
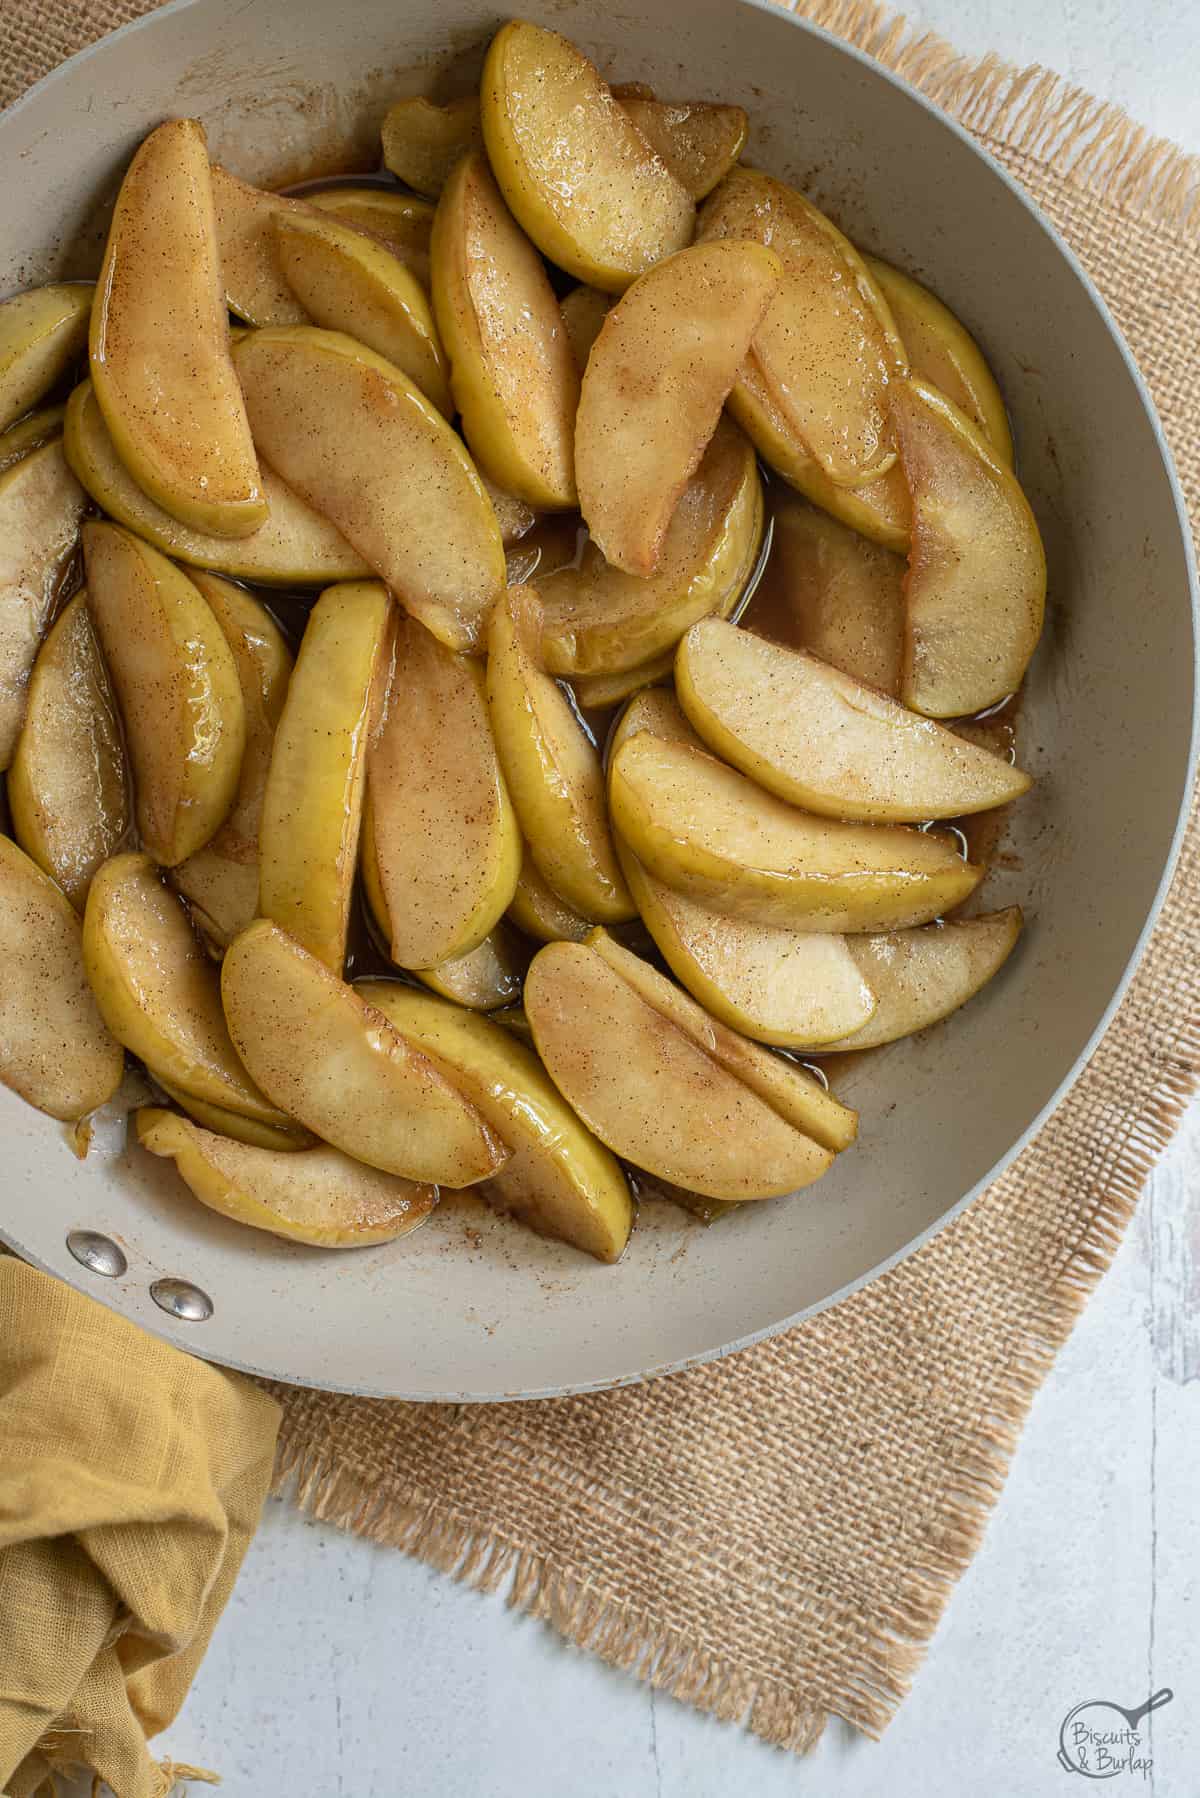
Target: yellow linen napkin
(131, 1482)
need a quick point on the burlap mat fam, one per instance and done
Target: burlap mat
(774, 1537)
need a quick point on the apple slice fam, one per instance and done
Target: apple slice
(595, 692)
(337, 1064)
(879, 508)
(584, 311)
(41, 334)
(312, 802)
(30, 433)
(577, 174)
(398, 220)
(296, 547)
(445, 835)
(68, 789)
(485, 979)
(921, 976)
(177, 687)
(160, 342)
(537, 909)
(825, 741)
(827, 349)
(830, 590)
(357, 440)
(286, 1138)
(976, 587)
(601, 620)
(348, 282)
(716, 837)
(645, 1086)
(515, 518)
(656, 380)
(559, 1180)
(41, 506)
(793, 1092)
(157, 990)
(942, 351)
(512, 371)
(318, 1196)
(551, 767)
(790, 1090)
(55, 1050)
(220, 881)
(796, 989)
(422, 142)
(251, 278)
(657, 711)
(698, 141)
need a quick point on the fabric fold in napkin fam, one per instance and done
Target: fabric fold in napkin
(131, 1481)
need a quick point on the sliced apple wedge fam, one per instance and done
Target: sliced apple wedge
(318, 1196)
(828, 348)
(584, 311)
(601, 620)
(921, 976)
(975, 594)
(698, 141)
(511, 366)
(942, 351)
(157, 990)
(657, 711)
(177, 687)
(559, 1180)
(879, 508)
(488, 977)
(445, 835)
(68, 788)
(595, 692)
(656, 380)
(398, 220)
(296, 547)
(824, 741)
(796, 989)
(515, 518)
(551, 767)
(220, 882)
(251, 277)
(312, 802)
(537, 909)
(348, 282)
(717, 837)
(41, 506)
(792, 1091)
(41, 334)
(286, 1138)
(422, 142)
(30, 433)
(645, 1086)
(159, 344)
(578, 176)
(336, 1063)
(357, 440)
(830, 590)
(55, 1050)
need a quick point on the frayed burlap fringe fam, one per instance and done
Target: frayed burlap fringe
(1089, 142)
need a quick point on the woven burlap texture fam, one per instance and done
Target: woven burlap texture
(773, 1537)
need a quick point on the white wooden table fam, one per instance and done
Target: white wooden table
(340, 1668)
